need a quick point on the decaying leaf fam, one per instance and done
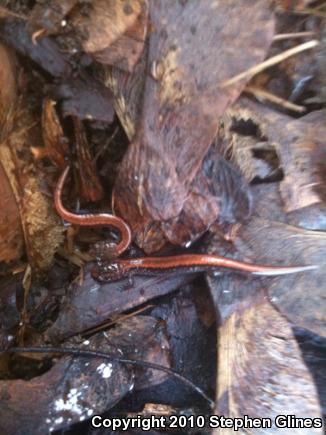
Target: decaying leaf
(105, 22)
(218, 193)
(83, 96)
(117, 32)
(49, 16)
(143, 338)
(89, 304)
(8, 83)
(41, 229)
(89, 182)
(182, 99)
(299, 297)
(261, 372)
(299, 145)
(112, 32)
(312, 217)
(260, 369)
(128, 92)
(71, 391)
(11, 234)
(55, 142)
(45, 53)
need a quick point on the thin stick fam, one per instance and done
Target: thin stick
(4, 12)
(271, 61)
(93, 354)
(311, 11)
(282, 36)
(113, 322)
(262, 94)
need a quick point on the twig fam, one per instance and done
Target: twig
(117, 320)
(271, 61)
(93, 354)
(106, 145)
(262, 94)
(282, 36)
(4, 12)
(317, 12)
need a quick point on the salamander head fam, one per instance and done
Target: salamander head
(108, 271)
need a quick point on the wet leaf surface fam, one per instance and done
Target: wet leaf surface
(218, 193)
(71, 391)
(300, 298)
(83, 96)
(183, 92)
(91, 303)
(115, 31)
(261, 370)
(74, 389)
(300, 147)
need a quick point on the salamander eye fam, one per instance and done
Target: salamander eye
(106, 272)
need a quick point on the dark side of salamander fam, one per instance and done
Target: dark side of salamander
(114, 271)
(107, 271)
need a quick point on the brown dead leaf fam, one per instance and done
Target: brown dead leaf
(124, 52)
(45, 53)
(90, 186)
(261, 372)
(299, 297)
(300, 145)
(73, 390)
(55, 143)
(49, 15)
(42, 233)
(218, 193)
(189, 55)
(8, 85)
(260, 369)
(106, 21)
(128, 90)
(143, 338)
(88, 304)
(11, 233)
(113, 31)
(83, 95)
(312, 217)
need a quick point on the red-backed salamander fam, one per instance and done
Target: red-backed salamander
(117, 269)
(92, 219)
(125, 268)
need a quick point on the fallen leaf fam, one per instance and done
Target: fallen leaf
(260, 369)
(50, 15)
(298, 297)
(8, 85)
(55, 142)
(300, 147)
(73, 390)
(91, 303)
(218, 193)
(41, 229)
(11, 233)
(123, 52)
(183, 101)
